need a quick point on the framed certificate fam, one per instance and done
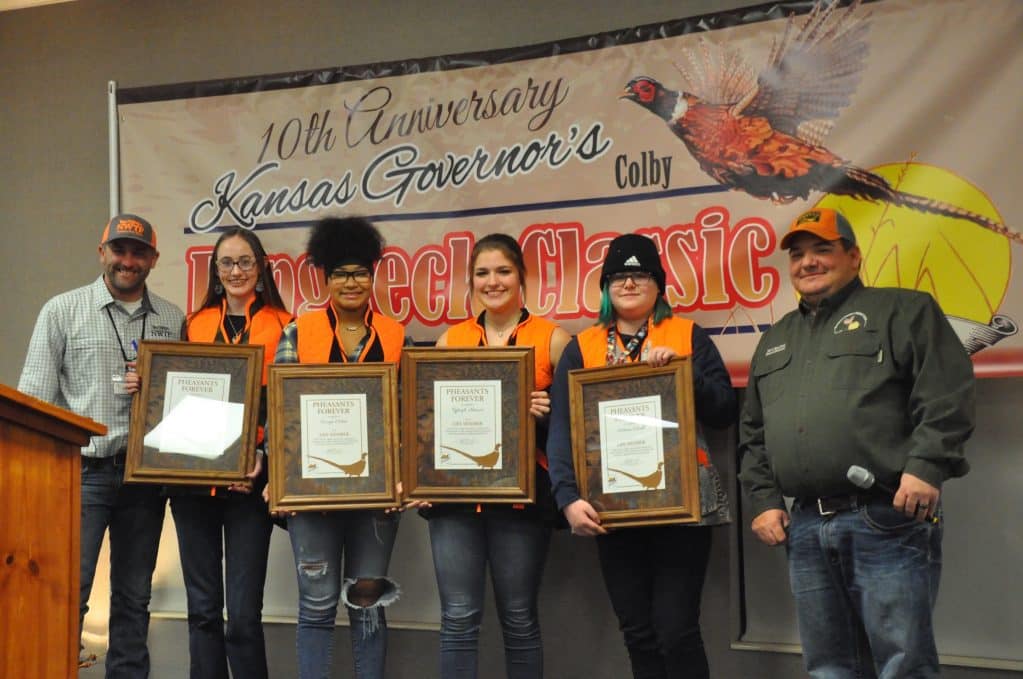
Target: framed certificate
(634, 443)
(467, 434)
(194, 420)
(333, 436)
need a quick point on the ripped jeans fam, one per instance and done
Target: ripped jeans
(319, 540)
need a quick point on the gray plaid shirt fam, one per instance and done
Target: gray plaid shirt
(74, 353)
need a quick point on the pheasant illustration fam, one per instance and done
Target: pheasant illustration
(763, 134)
(352, 469)
(485, 461)
(650, 481)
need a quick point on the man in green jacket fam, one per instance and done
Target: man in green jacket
(856, 376)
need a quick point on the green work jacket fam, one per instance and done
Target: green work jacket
(874, 377)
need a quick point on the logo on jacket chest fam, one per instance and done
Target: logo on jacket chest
(850, 322)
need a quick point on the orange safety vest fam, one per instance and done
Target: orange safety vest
(534, 332)
(316, 337)
(673, 332)
(263, 327)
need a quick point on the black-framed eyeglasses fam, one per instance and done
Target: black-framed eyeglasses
(245, 263)
(639, 278)
(360, 276)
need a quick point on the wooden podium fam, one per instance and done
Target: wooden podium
(40, 513)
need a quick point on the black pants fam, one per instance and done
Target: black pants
(223, 542)
(654, 577)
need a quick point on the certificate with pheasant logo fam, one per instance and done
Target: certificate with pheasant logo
(467, 434)
(334, 436)
(630, 436)
(634, 442)
(468, 424)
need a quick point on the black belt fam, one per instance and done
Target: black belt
(833, 504)
(115, 460)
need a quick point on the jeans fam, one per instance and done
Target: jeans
(319, 540)
(654, 578)
(134, 515)
(865, 584)
(217, 537)
(516, 548)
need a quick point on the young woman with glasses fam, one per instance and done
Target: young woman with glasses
(224, 533)
(653, 575)
(345, 331)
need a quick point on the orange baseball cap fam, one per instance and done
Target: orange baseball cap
(129, 226)
(822, 222)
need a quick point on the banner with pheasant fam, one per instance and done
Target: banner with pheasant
(710, 135)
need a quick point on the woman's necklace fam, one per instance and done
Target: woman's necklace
(235, 331)
(501, 332)
(350, 325)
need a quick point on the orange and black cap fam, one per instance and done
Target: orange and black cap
(128, 226)
(822, 222)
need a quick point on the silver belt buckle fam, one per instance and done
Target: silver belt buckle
(820, 509)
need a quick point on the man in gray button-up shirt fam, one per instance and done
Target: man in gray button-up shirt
(84, 341)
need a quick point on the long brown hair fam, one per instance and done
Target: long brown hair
(507, 246)
(270, 296)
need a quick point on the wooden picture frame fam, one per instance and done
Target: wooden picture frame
(333, 436)
(634, 443)
(195, 418)
(467, 434)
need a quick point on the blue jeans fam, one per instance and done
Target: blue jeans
(319, 540)
(516, 548)
(134, 514)
(865, 584)
(217, 536)
(654, 578)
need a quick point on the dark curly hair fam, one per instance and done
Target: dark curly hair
(334, 241)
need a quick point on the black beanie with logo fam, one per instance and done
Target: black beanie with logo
(632, 252)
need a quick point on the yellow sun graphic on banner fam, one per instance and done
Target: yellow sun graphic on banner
(965, 267)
